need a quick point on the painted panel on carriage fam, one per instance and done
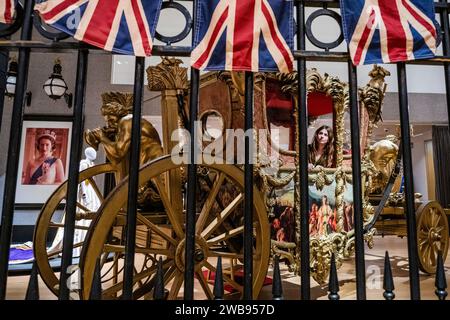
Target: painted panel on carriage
(244, 35)
(322, 212)
(125, 27)
(281, 215)
(383, 31)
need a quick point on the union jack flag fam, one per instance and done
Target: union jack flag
(386, 31)
(121, 26)
(7, 10)
(244, 35)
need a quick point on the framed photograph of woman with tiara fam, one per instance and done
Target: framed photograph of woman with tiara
(44, 157)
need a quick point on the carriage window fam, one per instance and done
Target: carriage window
(280, 116)
(282, 130)
(321, 132)
(321, 143)
(212, 124)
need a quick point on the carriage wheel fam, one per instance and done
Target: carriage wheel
(49, 223)
(432, 234)
(218, 234)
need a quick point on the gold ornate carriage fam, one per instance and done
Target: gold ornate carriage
(219, 225)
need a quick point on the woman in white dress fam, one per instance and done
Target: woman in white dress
(86, 197)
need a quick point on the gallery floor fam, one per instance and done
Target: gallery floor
(374, 270)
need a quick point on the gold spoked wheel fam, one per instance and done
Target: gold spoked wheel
(49, 223)
(219, 232)
(432, 235)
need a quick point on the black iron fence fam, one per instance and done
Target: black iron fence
(25, 21)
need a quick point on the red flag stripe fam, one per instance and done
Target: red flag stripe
(8, 17)
(243, 40)
(103, 16)
(421, 20)
(141, 26)
(58, 9)
(247, 23)
(275, 37)
(395, 32)
(201, 60)
(364, 38)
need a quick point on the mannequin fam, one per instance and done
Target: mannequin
(86, 197)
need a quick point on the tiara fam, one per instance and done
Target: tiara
(46, 133)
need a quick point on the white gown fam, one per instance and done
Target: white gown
(89, 199)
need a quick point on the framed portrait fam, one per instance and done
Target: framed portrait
(44, 157)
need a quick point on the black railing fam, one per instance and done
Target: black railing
(356, 173)
(303, 161)
(24, 46)
(4, 54)
(75, 155)
(248, 186)
(409, 186)
(12, 164)
(130, 242)
(191, 188)
(192, 174)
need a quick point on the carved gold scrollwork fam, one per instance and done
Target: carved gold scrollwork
(321, 250)
(167, 75)
(280, 182)
(321, 179)
(368, 237)
(339, 194)
(235, 84)
(285, 250)
(349, 248)
(372, 95)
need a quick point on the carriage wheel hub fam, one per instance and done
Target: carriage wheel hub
(433, 235)
(200, 253)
